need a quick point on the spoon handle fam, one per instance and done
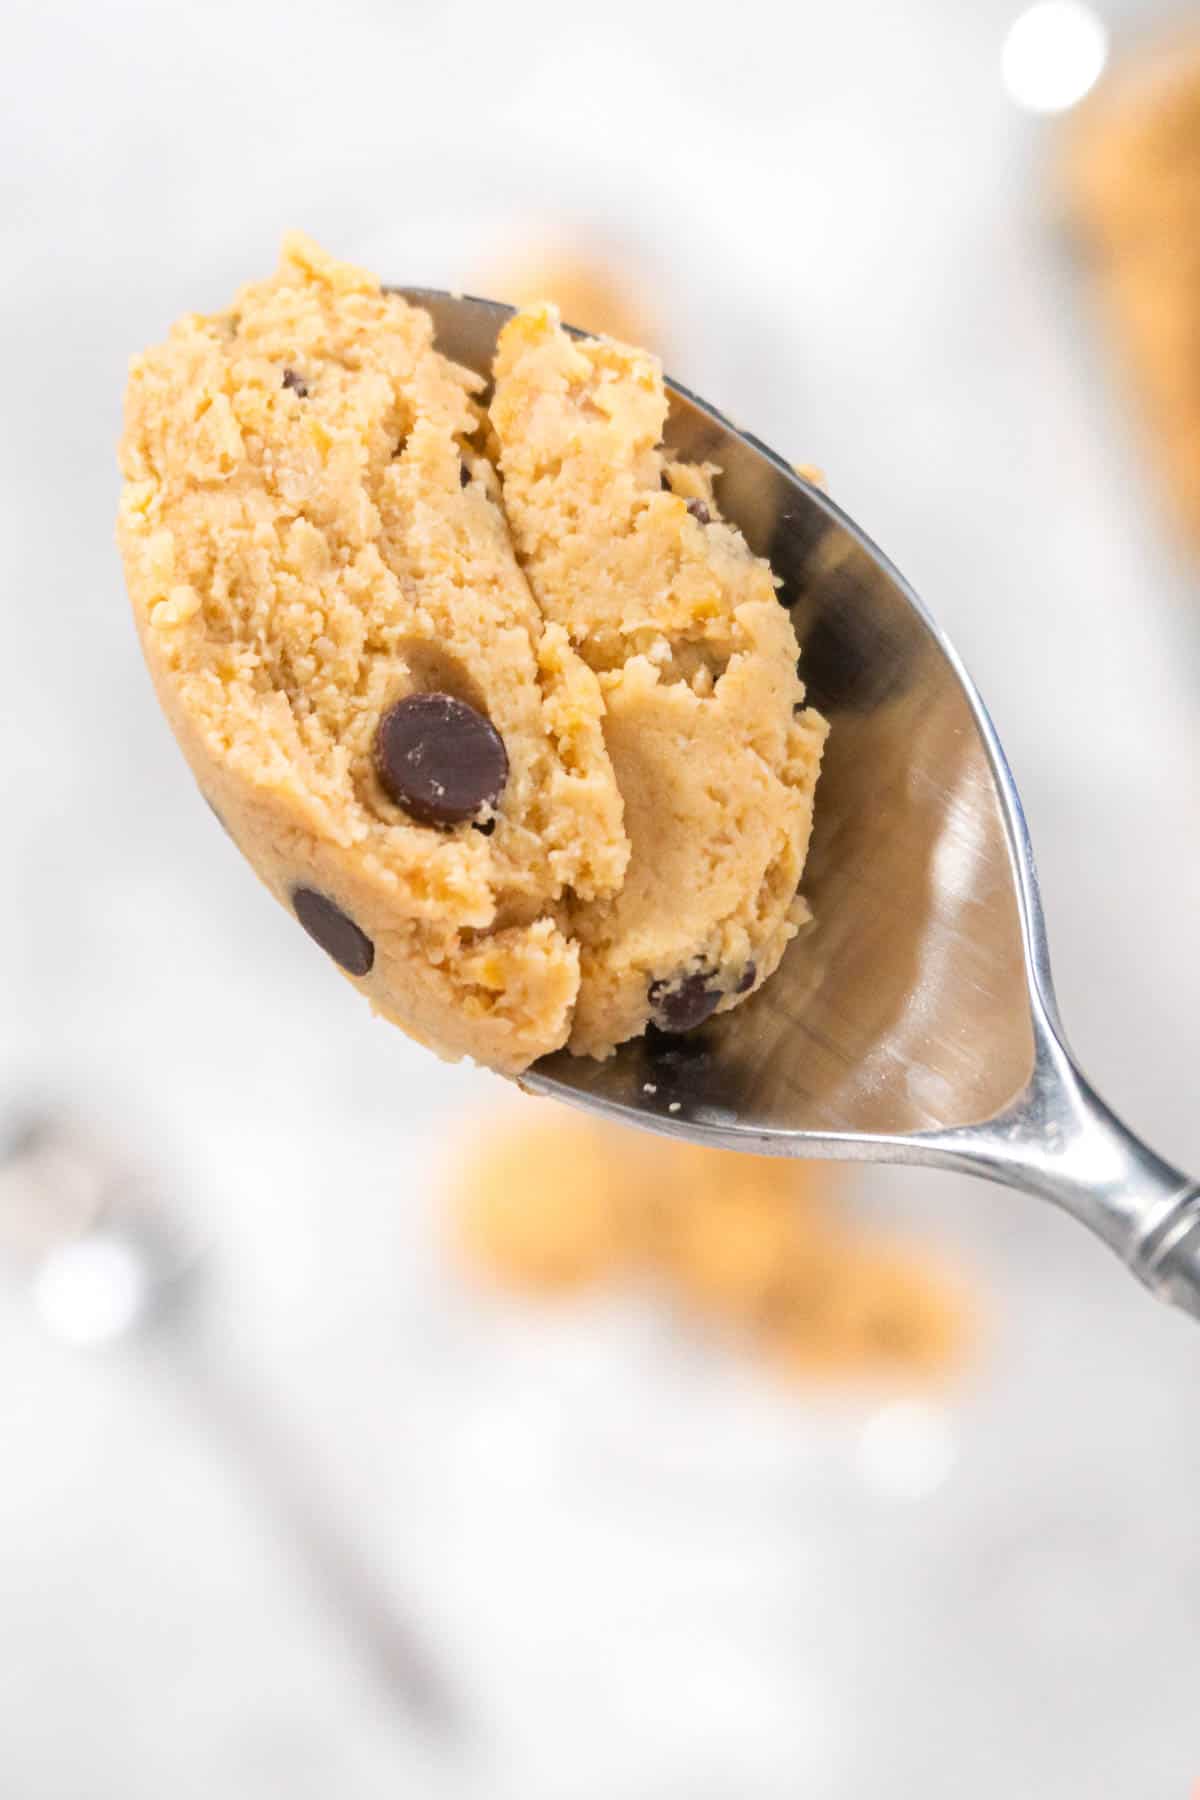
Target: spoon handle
(1144, 1208)
(1062, 1142)
(1168, 1258)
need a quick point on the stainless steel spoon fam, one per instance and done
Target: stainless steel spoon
(915, 1020)
(106, 1259)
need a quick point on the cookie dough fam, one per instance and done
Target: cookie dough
(551, 1207)
(593, 290)
(1131, 170)
(763, 1249)
(491, 697)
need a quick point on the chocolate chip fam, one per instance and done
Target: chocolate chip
(439, 759)
(464, 475)
(699, 512)
(747, 979)
(338, 936)
(296, 382)
(484, 827)
(681, 1005)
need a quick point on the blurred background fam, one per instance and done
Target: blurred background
(364, 1432)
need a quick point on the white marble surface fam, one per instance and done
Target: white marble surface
(649, 1574)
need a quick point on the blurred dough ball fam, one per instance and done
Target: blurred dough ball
(1130, 175)
(592, 289)
(550, 1202)
(858, 1306)
(730, 1224)
(549, 1205)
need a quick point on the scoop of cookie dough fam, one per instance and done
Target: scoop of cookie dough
(491, 698)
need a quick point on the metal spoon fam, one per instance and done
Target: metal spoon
(107, 1260)
(915, 1020)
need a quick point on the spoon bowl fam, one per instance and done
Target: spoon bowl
(914, 1019)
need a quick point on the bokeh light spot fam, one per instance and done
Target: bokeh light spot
(906, 1449)
(1054, 54)
(91, 1291)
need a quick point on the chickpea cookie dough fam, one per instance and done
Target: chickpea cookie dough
(490, 695)
(1131, 176)
(763, 1250)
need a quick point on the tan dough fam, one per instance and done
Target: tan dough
(319, 519)
(1131, 175)
(763, 1248)
(590, 290)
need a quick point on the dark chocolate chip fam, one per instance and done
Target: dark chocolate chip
(296, 382)
(484, 827)
(699, 512)
(748, 978)
(337, 935)
(682, 1005)
(464, 475)
(439, 759)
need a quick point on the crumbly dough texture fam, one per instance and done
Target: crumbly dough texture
(320, 517)
(591, 289)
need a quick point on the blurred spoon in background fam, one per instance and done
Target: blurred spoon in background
(106, 1261)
